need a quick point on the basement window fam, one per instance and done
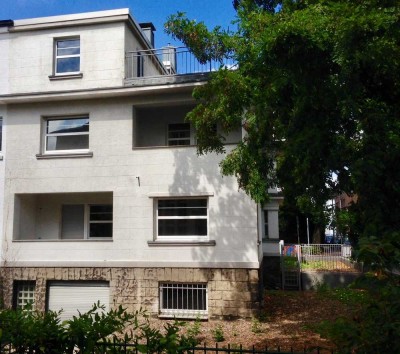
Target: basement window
(183, 300)
(24, 294)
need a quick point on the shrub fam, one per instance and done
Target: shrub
(218, 334)
(29, 331)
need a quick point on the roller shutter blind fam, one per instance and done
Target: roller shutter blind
(71, 297)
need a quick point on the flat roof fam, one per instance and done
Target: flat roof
(71, 17)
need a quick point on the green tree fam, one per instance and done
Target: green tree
(316, 88)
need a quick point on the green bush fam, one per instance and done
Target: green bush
(30, 331)
(218, 334)
(374, 326)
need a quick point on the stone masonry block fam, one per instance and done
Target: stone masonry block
(167, 274)
(139, 273)
(58, 273)
(215, 295)
(212, 286)
(253, 275)
(182, 276)
(201, 275)
(150, 273)
(228, 274)
(241, 275)
(175, 274)
(160, 274)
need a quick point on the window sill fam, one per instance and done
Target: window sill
(61, 240)
(64, 156)
(180, 243)
(65, 77)
(270, 240)
(179, 195)
(153, 147)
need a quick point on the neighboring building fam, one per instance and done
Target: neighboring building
(344, 201)
(105, 197)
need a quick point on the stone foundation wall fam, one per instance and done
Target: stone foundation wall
(231, 292)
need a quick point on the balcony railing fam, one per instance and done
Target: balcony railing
(168, 61)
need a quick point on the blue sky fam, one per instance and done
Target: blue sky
(212, 12)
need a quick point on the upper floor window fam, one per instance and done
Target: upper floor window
(178, 134)
(66, 135)
(67, 56)
(182, 218)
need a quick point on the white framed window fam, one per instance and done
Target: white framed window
(100, 220)
(179, 134)
(87, 221)
(66, 134)
(67, 56)
(182, 219)
(183, 300)
(24, 294)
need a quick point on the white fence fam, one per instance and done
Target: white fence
(319, 257)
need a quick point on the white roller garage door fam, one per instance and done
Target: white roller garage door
(74, 296)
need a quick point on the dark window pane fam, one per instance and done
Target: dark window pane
(179, 142)
(183, 212)
(182, 203)
(100, 230)
(179, 126)
(185, 227)
(179, 134)
(182, 207)
(66, 65)
(101, 213)
(68, 142)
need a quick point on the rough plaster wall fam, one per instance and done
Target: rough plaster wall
(102, 58)
(114, 168)
(4, 61)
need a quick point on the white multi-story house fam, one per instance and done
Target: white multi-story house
(105, 197)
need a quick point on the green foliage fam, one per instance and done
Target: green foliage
(374, 326)
(194, 330)
(218, 334)
(256, 326)
(290, 262)
(29, 330)
(87, 329)
(316, 89)
(43, 333)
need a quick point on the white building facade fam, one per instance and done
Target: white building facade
(105, 197)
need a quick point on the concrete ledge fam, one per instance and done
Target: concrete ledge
(311, 280)
(65, 77)
(63, 156)
(181, 243)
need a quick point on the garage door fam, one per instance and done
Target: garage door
(74, 296)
